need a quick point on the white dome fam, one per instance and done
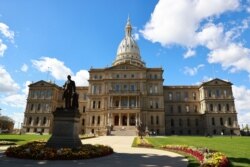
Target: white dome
(128, 50)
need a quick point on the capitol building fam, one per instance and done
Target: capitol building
(128, 94)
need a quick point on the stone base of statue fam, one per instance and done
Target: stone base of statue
(65, 132)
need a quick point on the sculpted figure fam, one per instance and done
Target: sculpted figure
(70, 96)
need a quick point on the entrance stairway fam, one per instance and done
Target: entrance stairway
(124, 131)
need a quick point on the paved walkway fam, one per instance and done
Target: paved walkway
(124, 156)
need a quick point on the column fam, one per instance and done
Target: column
(136, 123)
(120, 101)
(128, 101)
(120, 119)
(128, 119)
(136, 98)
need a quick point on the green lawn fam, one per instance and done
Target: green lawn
(22, 139)
(237, 149)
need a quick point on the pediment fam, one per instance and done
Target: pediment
(42, 83)
(216, 82)
(126, 66)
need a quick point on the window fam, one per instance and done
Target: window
(150, 89)
(211, 107)
(132, 87)
(155, 76)
(83, 109)
(157, 120)
(30, 120)
(93, 119)
(178, 96)
(180, 122)
(156, 105)
(44, 120)
(152, 120)
(229, 121)
(84, 96)
(209, 93)
(156, 89)
(179, 109)
(196, 122)
(98, 120)
(170, 96)
(93, 104)
(117, 87)
(39, 107)
(195, 108)
(124, 76)
(217, 93)
(171, 109)
(221, 121)
(32, 107)
(213, 122)
(117, 76)
(188, 122)
(99, 104)
(125, 87)
(172, 122)
(219, 107)
(227, 106)
(187, 108)
(185, 96)
(151, 103)
(37, 120)
(194, 95)
(132, 75)
(225, 93)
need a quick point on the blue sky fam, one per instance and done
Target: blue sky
(193, 40)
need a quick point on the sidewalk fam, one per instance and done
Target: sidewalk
(124, 156)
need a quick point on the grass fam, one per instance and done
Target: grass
(22, 139)
(236, 148)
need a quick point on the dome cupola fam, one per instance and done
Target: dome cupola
(128, 50)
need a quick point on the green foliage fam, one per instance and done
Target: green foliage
(235, 148)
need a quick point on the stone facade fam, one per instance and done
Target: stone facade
(128, 94)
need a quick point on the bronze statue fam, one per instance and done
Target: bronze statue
(70, 95)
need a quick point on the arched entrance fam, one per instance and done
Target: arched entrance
(124, 120)
(116, 120)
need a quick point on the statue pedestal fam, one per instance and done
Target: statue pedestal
(65, 133)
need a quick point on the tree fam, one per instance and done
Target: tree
(6, 124)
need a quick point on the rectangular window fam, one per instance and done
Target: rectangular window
(213, 121)
(93, 104)
(221, 121)
(157, 120)
(98, 120)
(195, 108)
(99, 104)
(179, 109)
(185, 96)
(217, 93)
(152, 120)
(132, 88)
(93, 119)
(229, 121)
(151, 103)
(171, 109)
(178, 96)
(194, 95)
(170, 96)
(187, 108)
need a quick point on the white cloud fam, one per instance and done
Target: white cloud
(189, 53)
(192, 71)
(234, 57)
(7, 84)
(136, 36)
(81, 78)
(24, 68)
(4, 29)
(59, 71)
(3, 47)
(177, 21)
(17, 100)
(14, 100)
(242, 98)
(56, 67)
